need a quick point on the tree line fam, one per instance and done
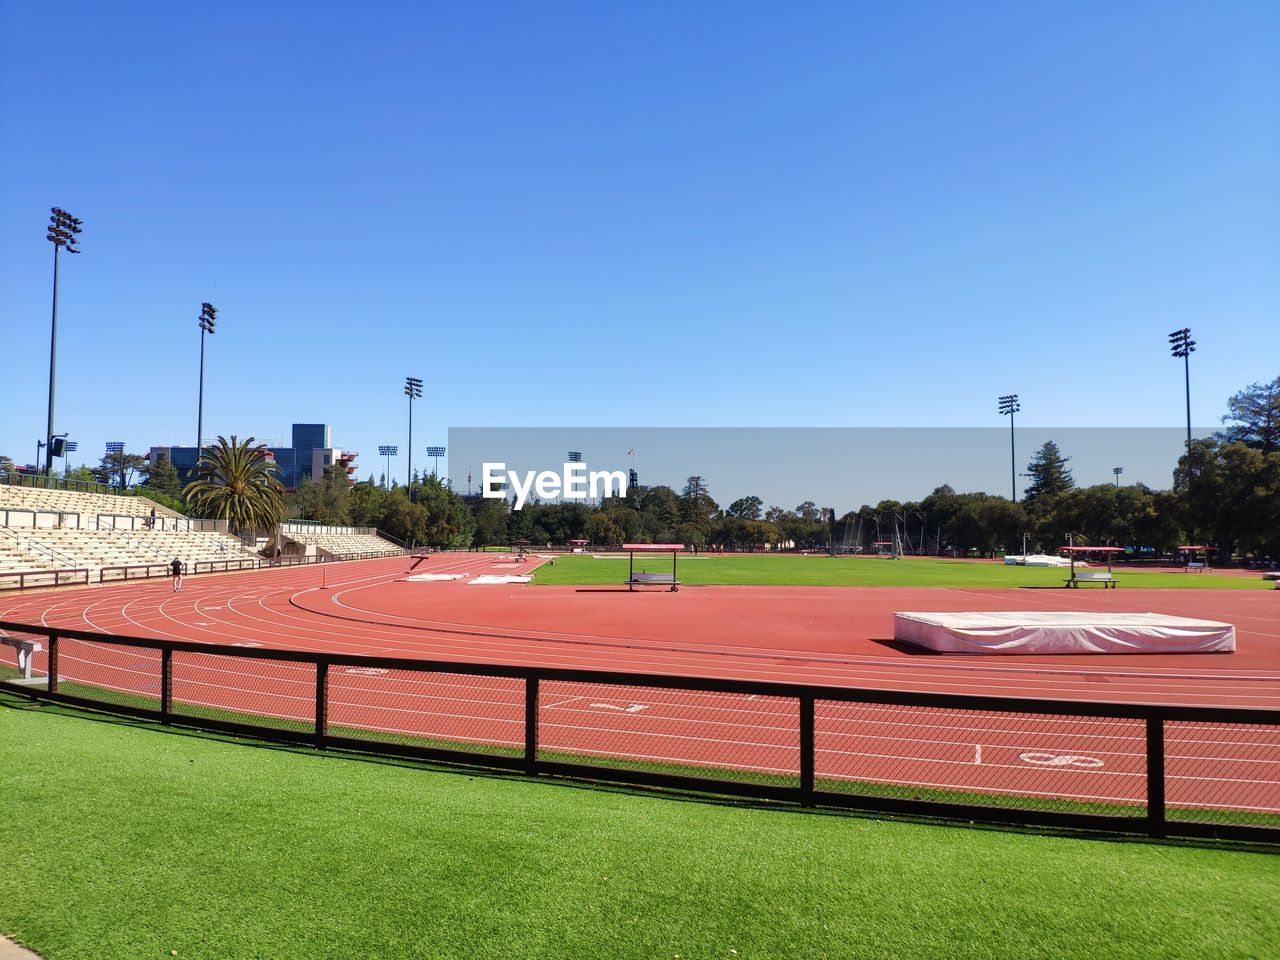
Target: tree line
(1224, 493)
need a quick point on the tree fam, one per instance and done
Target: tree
(82, 474)
(449, 522)
(491, 522)
(746, 508)
(120, 468)
(696, 505)
(162, 477)
(326, 499)
(661, 507)
(691, 535)
(1229, 497)
(235, 481)
(1254, 417)
(602, 530)
(809, 512)
(1050, 475)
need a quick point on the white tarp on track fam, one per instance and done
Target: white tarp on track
(1013, 631)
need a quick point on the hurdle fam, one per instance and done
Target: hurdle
(26, 650)
(522, 550)
(1197, 557)
(1107, 579)
(635, 579)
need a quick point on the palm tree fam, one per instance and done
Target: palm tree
(236, 482)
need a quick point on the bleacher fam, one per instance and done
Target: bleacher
(95, 549)
(334, 544)
(51, 529)
(47, 504)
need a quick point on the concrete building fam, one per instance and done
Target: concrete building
(309, 454)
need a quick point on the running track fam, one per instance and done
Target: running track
(828, 635)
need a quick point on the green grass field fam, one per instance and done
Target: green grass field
(790, 569)
(131, 840)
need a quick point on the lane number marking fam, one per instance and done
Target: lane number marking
(1060, 760)
(634, 708)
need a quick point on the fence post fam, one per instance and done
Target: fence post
(166, 684)
(531, 725)
(53, 663)
(322, 702)
(1155, 777)
(806, 750)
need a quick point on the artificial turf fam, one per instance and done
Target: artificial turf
(818, 571)
(131, 840)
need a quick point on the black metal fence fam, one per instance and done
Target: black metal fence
(1160, 770)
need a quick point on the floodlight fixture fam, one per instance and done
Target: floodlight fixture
(387, 450)
(1008, 406)
(575, 456)
(412, 390)
(435, 453)
(61, 232)
(1182, 347)
(208, 320)
(1117, 471)
(117, 447)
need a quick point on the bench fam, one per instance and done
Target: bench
(25, 649)
(1103, 577)
(653, 580)
(1195, 568)
(637, 579)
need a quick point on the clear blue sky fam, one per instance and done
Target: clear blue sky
(736, 214)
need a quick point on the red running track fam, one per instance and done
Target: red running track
(826, 635)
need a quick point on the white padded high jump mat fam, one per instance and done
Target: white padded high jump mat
(1040, 632)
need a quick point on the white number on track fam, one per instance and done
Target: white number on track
(1060, 760)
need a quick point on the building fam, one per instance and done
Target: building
(310, 453)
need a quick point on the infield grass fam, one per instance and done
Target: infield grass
(130, 840)
(817, 571)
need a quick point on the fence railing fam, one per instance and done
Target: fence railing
(72, 574)
(1141, 768)
(316, 527)
(24, 579)
(148, 571)
(23, 478)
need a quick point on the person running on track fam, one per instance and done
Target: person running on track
(176, 569)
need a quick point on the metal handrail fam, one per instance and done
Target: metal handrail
(40, 548)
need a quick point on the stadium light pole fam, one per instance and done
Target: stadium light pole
(435, 453)
(1008, 407)
(116, 446)
(412, 390)
(388, 451)
(574, 456)
(63, 228)
(1181, 345)
(208, 320)
(1117, 471)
